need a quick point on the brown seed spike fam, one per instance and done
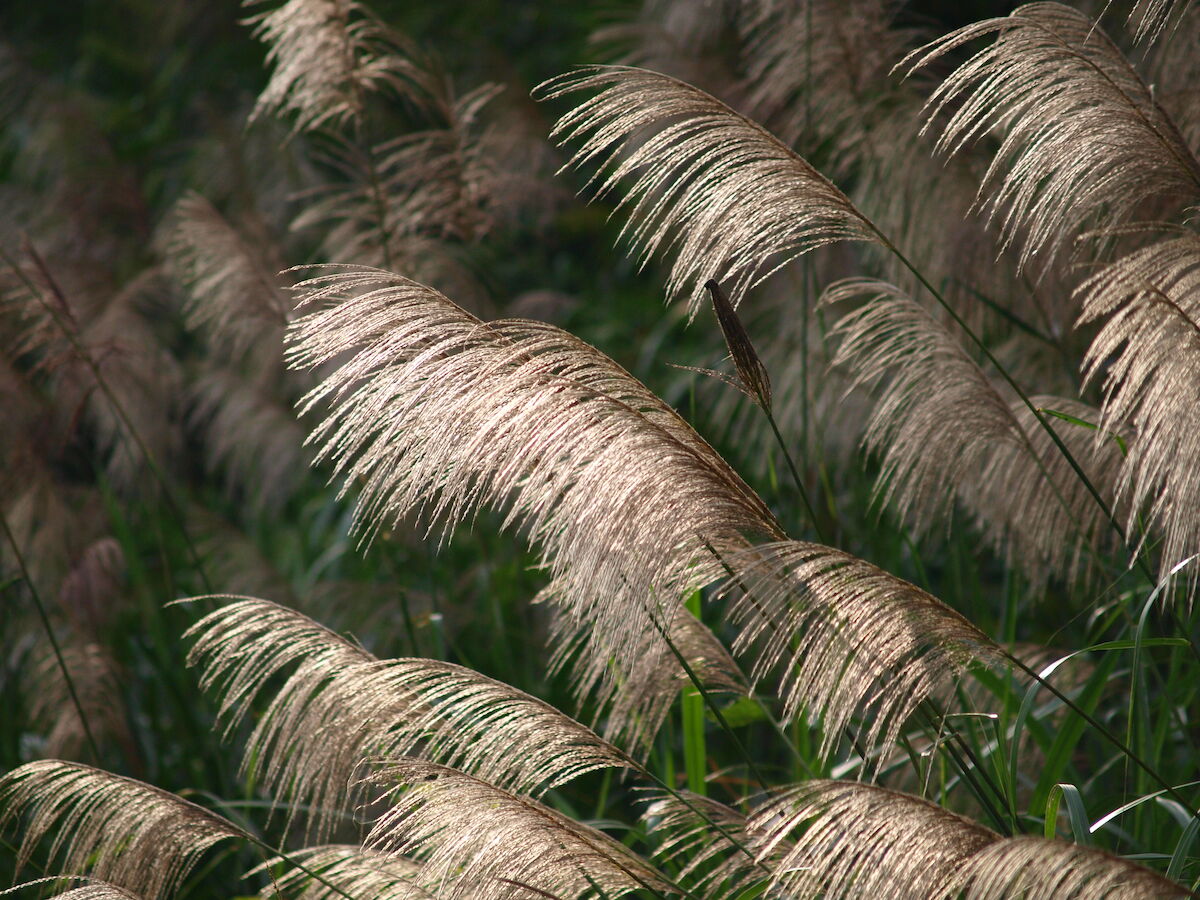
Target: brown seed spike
(751, 372)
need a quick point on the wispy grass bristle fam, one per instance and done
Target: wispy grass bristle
(139, 837)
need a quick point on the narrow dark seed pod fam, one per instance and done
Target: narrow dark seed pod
(751, 372)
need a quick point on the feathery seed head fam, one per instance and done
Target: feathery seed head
(437, 413)
(711, 186)
(1082, 140)
(135, 835)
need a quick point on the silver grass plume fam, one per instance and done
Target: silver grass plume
(1083, 143)
(436, 412)
(104, 357)
(477, 841)
(637, 685)
(817, 74)
(1033, 507)
(944, 431)
(860, 840)
(689, 41)
(939, 417)
(847, 639)
(340, 706)
(1146, 355)
(1173, 67)
(249, 431)
(347, 869)
(95, 678)
(702, 836)
(327, 55)
(437, 184)
(409, 203)
(233, 293)
(730, 200)
(90, 594)
(1037, 869)
(133, 834)
(442, 181)
(248, 641)
(925, 205)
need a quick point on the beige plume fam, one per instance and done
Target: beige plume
(1083, 143)
(338, 705)
(475, 840)
(436, 412)
(137, 836)
(346, 869)
(728, 199)
(847, 639)
(1146, 355)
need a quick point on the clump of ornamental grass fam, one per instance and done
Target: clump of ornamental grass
(852, 722)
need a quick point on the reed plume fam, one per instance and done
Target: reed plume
(847, 638)
(475, 840)
(313, 735)
(94, 891)
(708, 841)
(1048, 870)
(139, 837)
(1144, 355)
(328, 55)
(728, 199)
(233, 293)
(436, 412)
(944, 431)
(1083, 142)
(860, 840)
(346, 869)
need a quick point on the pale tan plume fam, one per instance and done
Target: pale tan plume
(102, 356)
(1037, 869)
(476, 840)
(694, 42)
(816, 75)
(709, 843)
(94, 890)
(846, 641)
(95, 679)
(1145, 358)
(135, 835)
(90, 594)
(338, 705)
(938, 416)
(1033, 507)
(328, 55)
(346, 869)
(708, 186)
(1150, 18)
(945, 432)
(1083, 143)
(401, 201)
(437, 413)
(233, 293)
(636, 685)
(248, 430)
(1173, 67)
(97, 892)
(844, 839)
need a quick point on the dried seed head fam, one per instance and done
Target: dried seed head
(750, 370)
